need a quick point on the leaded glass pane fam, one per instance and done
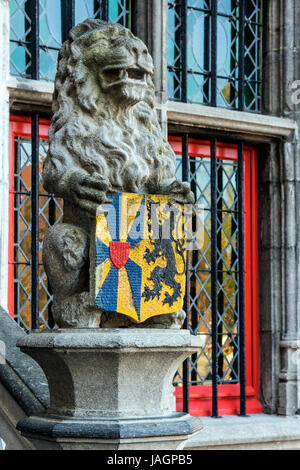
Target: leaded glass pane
(50, 212)
(118, 11)
(199, 273)
(20, 27)
(51, 28)
(190, 57)
(50, 37)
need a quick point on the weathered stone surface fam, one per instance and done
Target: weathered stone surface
(278, 202)
(110, 385)
(119, 372)
(255, 432)
(104, 138)
(168, 433)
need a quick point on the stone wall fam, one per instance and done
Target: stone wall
(279, 172)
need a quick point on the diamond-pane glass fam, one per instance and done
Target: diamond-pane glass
(199, 273)
(198, 46)
(50, 212)
(20, 27)
(50, 25)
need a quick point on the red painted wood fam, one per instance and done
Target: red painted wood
(200, 396)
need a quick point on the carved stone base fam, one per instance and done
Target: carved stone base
(165, 433)
(110, 389)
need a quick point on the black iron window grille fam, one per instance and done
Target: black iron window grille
(50, 211)
(215, 273)
(214, 53)
(52, 19)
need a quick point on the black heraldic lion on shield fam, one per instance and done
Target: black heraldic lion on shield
(164, 246)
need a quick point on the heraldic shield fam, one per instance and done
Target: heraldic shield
(140, 258)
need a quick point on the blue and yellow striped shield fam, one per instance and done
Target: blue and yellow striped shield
(140, 256)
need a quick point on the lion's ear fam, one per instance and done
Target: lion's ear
(88, 25)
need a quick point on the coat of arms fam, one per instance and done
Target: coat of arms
(140, 259)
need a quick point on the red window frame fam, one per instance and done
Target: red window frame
(19, 126)
(200, 396)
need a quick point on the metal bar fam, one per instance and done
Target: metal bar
(234, 22)
(129, 14)
(241, 90)
(67, 17)
(34, 50)
(220, 295)
(185, 158)
(35, 221)
(194, 257)
(51, 218)
(34, 38)
(206, 61)
(214, 278)
(241, 297)
(97, 9)
(177, 78)
(194, 8)
(183, 44)
(185, 386)
(28, 34)
(17, 229)
(185, 365)
(104, 10)
(214, 52)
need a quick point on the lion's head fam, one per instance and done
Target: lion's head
(104, 116)
(101, 57)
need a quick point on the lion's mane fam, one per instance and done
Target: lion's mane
(88, 132)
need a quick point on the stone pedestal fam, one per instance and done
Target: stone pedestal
(110, 389)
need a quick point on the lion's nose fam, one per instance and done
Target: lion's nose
(143, 58)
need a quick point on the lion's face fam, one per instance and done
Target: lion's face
(123, 70)
(103, 71)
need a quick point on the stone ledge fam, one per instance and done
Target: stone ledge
(254, 432)
(10, 414)
(257, 125)
(20, 375)
(61, 427)
(39, 93)
(30, 91)
(118, 339)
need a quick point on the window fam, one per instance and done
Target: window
(20, 207)
(199, 304)
(214, 53)
(51, 28)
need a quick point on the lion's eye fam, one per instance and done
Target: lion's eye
(136, 74)
(112, 75)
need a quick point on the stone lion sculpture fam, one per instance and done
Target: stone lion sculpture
(104, 138)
